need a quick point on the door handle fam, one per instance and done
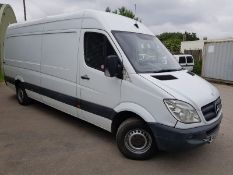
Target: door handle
(85, 77)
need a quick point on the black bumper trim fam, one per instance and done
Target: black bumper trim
(93, 108)
(170, 138)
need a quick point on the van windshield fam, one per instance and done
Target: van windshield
(146, 53)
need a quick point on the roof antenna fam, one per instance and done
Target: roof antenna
(135, 11)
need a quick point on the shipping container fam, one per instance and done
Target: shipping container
(218, 60)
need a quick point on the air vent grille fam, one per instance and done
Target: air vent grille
(164, 77)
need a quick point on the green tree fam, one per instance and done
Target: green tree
(173, 40)
(190, 36)
(124, 12)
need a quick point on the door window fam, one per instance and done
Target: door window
(96, 49)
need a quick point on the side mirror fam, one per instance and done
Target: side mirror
(113, 67)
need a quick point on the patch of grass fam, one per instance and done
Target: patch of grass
(1, 76)
(197, 67)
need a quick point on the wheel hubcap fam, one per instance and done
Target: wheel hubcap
(20, 95)
(138, 141)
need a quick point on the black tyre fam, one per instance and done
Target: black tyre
(134, 140)
(21, 94)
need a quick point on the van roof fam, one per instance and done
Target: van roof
(96, 19)
(184, 55)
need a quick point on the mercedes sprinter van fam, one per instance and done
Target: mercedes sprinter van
(113, 72)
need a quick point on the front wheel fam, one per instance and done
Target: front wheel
(135, 140)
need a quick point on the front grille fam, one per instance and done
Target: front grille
(211, 110)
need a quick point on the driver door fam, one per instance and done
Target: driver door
(99, 94)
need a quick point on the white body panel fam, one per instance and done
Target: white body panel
(187, 88)
(48, 56)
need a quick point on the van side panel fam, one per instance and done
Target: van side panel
(60, 52)
(59, 70)
(21, 64)
(15, 51)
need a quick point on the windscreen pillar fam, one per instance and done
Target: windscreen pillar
(7, 16)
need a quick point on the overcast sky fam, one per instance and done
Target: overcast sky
(211, 18)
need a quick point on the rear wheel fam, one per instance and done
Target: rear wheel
(22, 97)
(135, 140)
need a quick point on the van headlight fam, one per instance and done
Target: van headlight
(182, 111)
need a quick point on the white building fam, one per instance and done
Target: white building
(192, 45)
(198, 45)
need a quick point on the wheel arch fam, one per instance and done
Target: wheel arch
(127, 110)
(18, 80)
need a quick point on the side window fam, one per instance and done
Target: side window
(96, 49)
(182, 60)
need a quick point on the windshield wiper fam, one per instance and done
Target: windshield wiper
(167, 70)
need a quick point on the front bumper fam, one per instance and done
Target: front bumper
(170, 138)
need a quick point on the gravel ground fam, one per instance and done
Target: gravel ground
(40, 140)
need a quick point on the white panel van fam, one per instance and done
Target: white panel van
(113, 72)
(185, 61)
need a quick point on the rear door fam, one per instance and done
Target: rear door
(99, 94)
(190, 61)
